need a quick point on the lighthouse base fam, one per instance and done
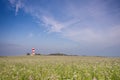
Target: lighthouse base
(32, 54)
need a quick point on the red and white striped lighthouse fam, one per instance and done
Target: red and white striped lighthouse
(33, 51)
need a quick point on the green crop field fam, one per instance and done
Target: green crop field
(59, 68)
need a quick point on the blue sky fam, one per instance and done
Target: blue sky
(78, 27)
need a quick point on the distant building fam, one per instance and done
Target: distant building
(33, 52)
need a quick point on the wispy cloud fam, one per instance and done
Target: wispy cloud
(89, 36)
(12, 1)
(54, 26)
(17, 4)
(89, 22)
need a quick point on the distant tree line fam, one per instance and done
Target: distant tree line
(58, 54)
(61, 54)
(35, 54)
(53, 54)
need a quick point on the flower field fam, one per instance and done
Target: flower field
(59, 68)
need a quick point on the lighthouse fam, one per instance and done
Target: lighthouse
(33, 51)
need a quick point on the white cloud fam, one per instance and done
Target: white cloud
(87, 24)
(17, 4)
(89, 36)
(53, 25)
(12, 1)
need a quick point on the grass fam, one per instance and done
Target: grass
(59, 68)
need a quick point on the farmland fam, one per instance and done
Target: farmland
(59, 68)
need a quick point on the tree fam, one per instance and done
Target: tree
(28, 53)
